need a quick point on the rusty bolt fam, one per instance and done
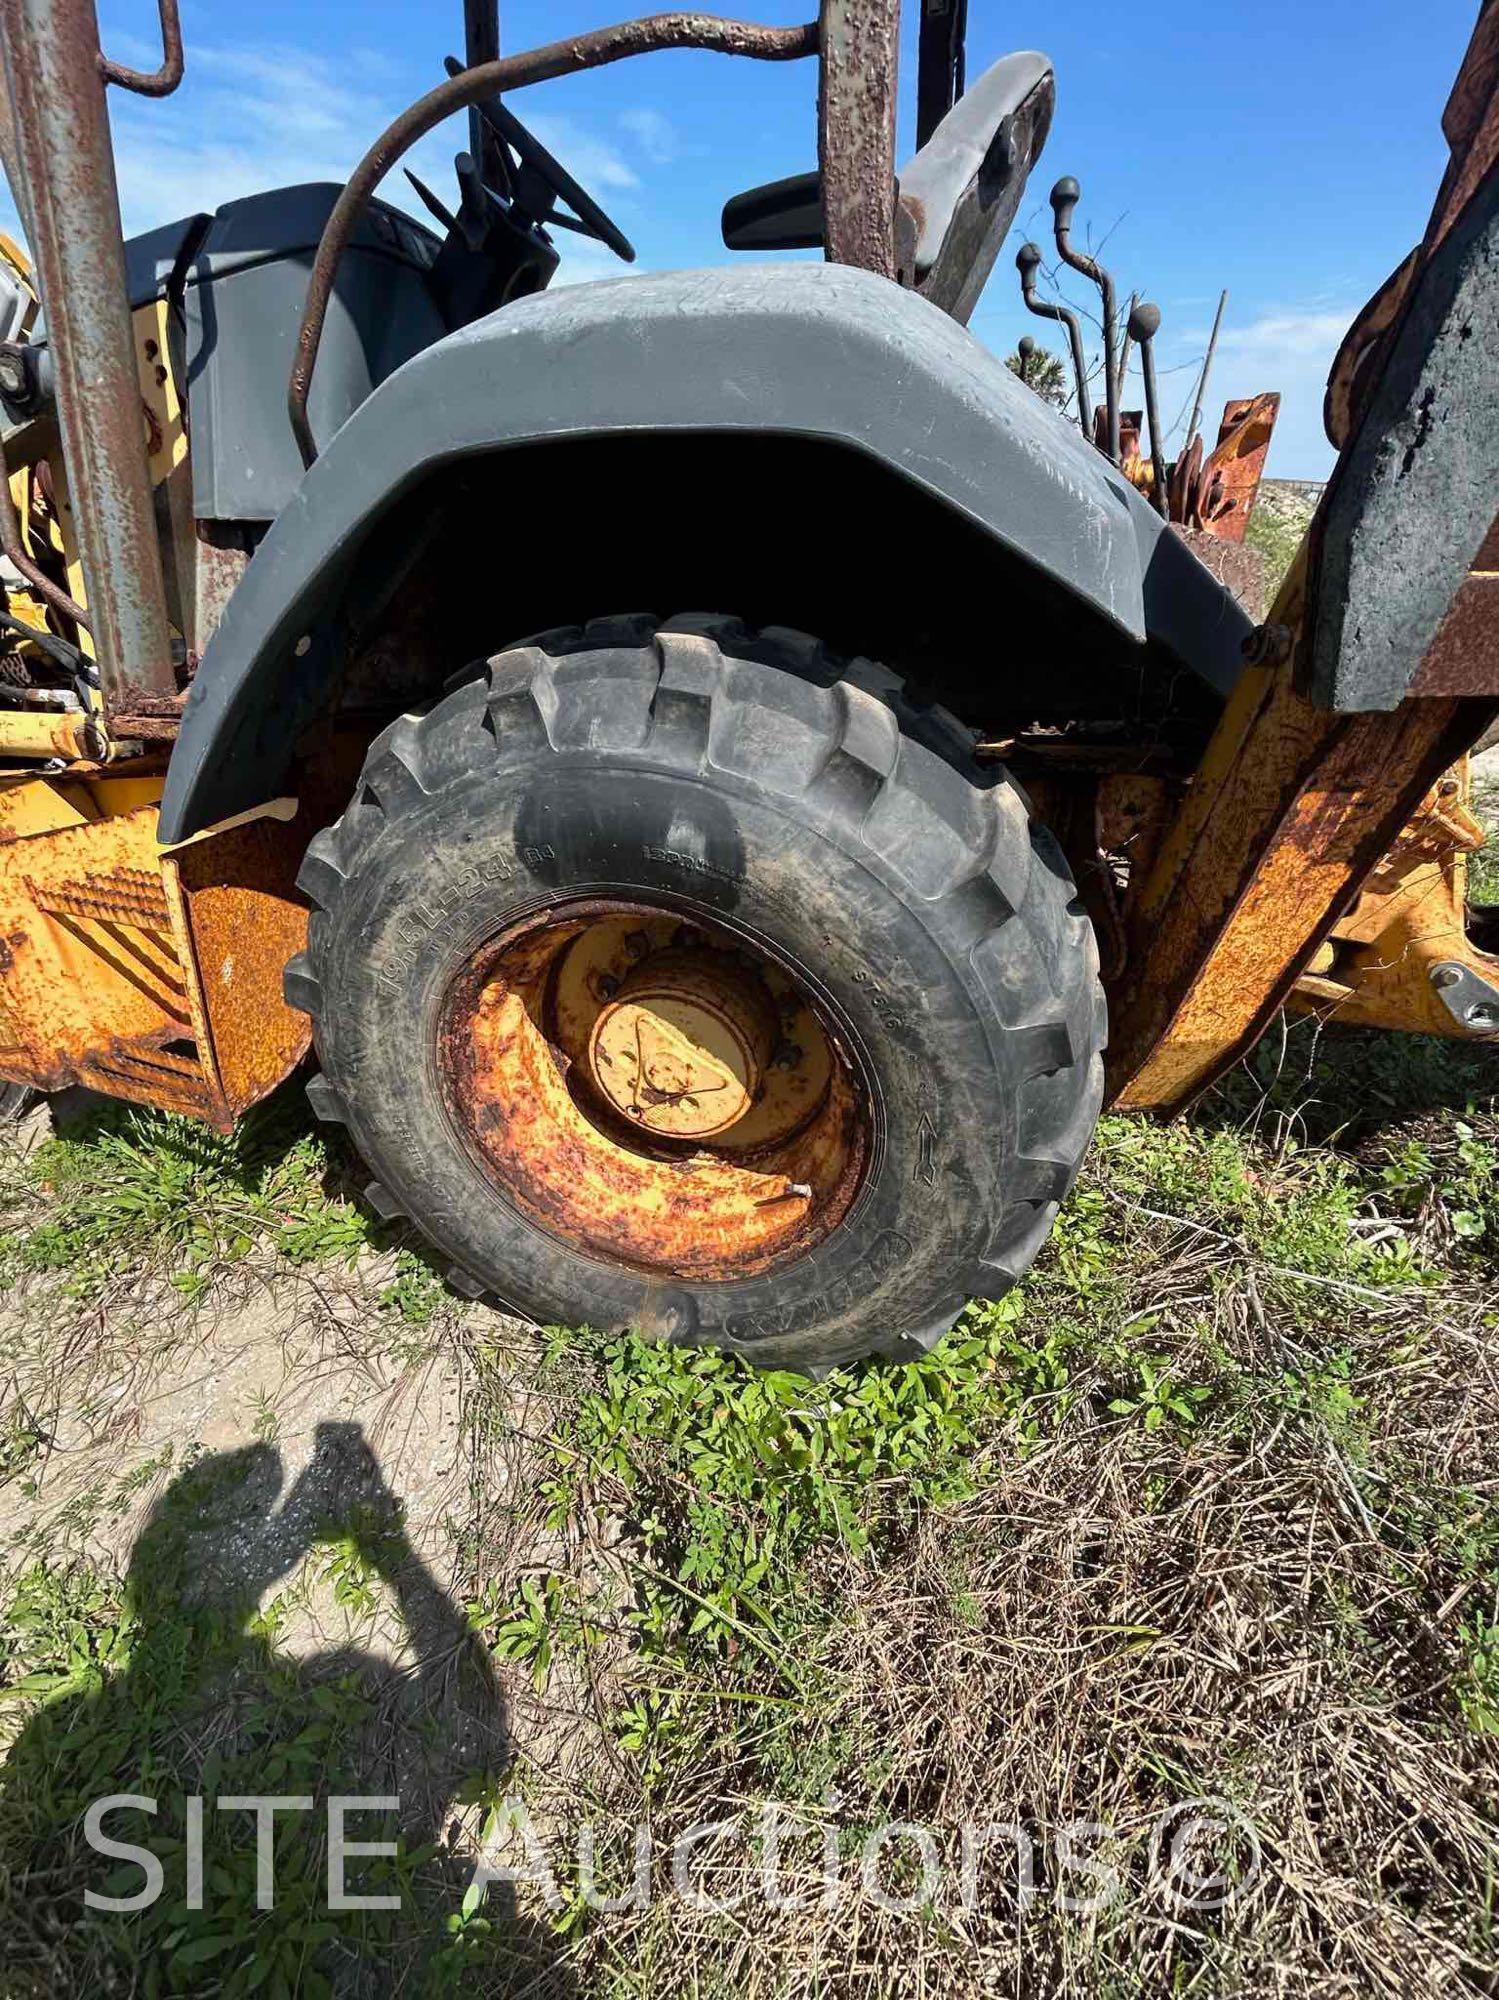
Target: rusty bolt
(1268, 646)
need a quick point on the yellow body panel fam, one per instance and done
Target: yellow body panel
(150, 975)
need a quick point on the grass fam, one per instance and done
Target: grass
(1483, 867)
(164, 1193)
(1276, 527)
(1207, 1510)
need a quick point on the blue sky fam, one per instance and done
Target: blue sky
(1287, 151)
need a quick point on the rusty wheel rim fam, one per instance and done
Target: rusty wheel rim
(656, 1090)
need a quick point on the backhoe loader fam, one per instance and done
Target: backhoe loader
(716, 779)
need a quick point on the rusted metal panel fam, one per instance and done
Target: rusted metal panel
(149, 977)
(1291, 810)
(860, 41)
(61, 136)
(87, 962)
(149, 718)
(1394, 957)
(235, 901)
(1214, 493)
(1238, 461)
(1463, 658)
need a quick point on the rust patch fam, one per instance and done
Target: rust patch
(856, 132)
(1391, 951)
(151, 977)
(517, 1048)
(235, 901)
(1463, 658)
(1238, 461)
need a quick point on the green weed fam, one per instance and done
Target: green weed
(135, 1190)
(416, 1293)
(1159, 1397)
(1477, 1683)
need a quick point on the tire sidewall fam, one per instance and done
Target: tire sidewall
(892, 976)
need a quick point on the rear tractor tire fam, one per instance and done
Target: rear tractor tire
(678, 977)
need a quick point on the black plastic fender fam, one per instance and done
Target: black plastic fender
(798, 350)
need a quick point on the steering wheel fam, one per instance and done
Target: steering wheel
(538, 181)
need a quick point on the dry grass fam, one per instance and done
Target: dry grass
(1266, 1607)
(1209, 1515)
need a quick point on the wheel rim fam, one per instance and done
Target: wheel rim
(655, 1090)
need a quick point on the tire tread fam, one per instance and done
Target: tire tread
(844, 739)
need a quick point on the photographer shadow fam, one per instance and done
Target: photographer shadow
(209, 1705)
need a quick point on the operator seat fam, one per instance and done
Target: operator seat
(958, 195)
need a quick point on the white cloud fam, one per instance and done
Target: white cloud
(589, 159)
(257, 116)
(1285, 347)
(252, 118)
(1293, 331)
(653, 132)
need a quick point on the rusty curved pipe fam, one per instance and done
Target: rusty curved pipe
(604, 45)
(1064, 200)
(1027, 263)
(152, 82)
(37, 581)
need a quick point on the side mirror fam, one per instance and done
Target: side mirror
(781, 215)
